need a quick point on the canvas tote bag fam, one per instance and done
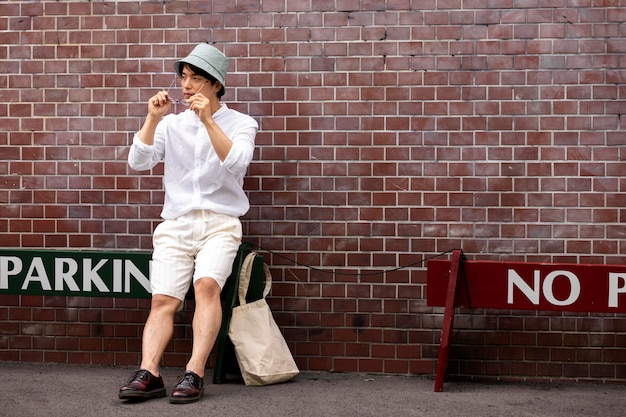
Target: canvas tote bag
(262, 353)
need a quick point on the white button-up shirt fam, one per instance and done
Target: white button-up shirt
(194, 177)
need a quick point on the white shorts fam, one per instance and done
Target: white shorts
(198, 244)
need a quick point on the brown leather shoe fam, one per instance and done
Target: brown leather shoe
(142, 385)
(190, 388)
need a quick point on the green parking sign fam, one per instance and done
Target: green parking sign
(75, 273)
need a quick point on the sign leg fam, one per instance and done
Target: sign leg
(448, 318)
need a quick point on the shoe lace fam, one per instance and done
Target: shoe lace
(190, 378)
(141, 375)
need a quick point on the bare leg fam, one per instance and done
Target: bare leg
(207, 320)
(158, 331)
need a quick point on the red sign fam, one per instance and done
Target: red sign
(530, 286)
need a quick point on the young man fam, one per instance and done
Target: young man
(206, 151)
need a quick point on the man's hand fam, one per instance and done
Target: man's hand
(159, 104)
(201, 105)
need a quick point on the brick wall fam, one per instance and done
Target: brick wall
(391, 131)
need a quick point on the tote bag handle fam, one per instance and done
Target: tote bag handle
(245, 274)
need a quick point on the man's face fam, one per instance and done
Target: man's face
(191, 83)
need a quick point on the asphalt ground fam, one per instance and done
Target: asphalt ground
(34, 390)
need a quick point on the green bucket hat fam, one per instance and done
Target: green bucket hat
(207, 58)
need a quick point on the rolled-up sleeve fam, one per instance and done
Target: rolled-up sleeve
(240, 155)
(140, 155)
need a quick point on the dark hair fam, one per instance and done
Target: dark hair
(204, 74)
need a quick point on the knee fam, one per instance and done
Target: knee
(207, 288)
(164, 304)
